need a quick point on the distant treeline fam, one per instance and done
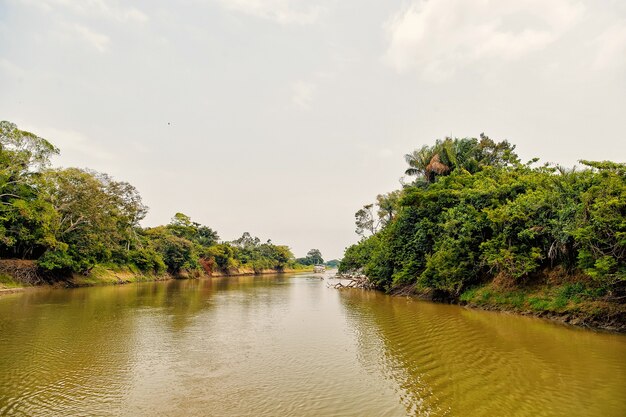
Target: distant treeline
(70, 220)
(475, 213)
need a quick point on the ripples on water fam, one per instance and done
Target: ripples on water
(288, 345)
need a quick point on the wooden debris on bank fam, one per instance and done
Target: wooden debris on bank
(355, 280)
(22, 271)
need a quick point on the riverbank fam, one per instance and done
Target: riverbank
(100, 276)
(554, 295)
(570, 303)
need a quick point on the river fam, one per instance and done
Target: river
(288, 345)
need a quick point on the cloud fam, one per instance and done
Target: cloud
(107, 9)
(11, 69)
(385, 153)
(139, 147)
(98, 41)
(298, 12)
(303, 93)
(437, 38)
(611, 47)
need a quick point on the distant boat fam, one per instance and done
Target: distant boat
(319, 268)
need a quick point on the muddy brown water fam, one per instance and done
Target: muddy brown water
(288, 345)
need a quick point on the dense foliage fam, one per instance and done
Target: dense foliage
(475, 213)
(313, 257)
(70, 220)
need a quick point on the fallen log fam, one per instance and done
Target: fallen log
(355, 280)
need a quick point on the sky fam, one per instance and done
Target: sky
(283, 117)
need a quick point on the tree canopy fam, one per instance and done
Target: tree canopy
(313, 257)
(476, 213)
(70, 220)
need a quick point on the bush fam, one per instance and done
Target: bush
(147, 260)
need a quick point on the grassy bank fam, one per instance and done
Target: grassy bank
(571, 303)
(112, 276)
(553, 294)
(251, 271)
(101, 275)
(7, 282)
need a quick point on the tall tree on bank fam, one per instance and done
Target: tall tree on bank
(24, 216)
(97, 218)
(315, 257)
(368, 220)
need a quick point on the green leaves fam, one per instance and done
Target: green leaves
(95, 216)
(28, 150)
(182, 226)
(600, 229)
(71, 220)
(467, 154)
(24, 217)
(490, 216)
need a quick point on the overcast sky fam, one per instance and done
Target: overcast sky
(283, 117)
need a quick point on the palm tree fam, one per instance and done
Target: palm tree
(425, 163)
(418, 160)
(468, 154)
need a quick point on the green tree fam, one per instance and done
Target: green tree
(333, 263)
(469, 154)
(182, 226)
(365, 220)
(24, 217)
(485, 215)
(178, 253)
(96, 220)
(315, 257)
(370, 218)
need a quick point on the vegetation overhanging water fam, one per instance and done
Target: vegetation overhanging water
(479, 226)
